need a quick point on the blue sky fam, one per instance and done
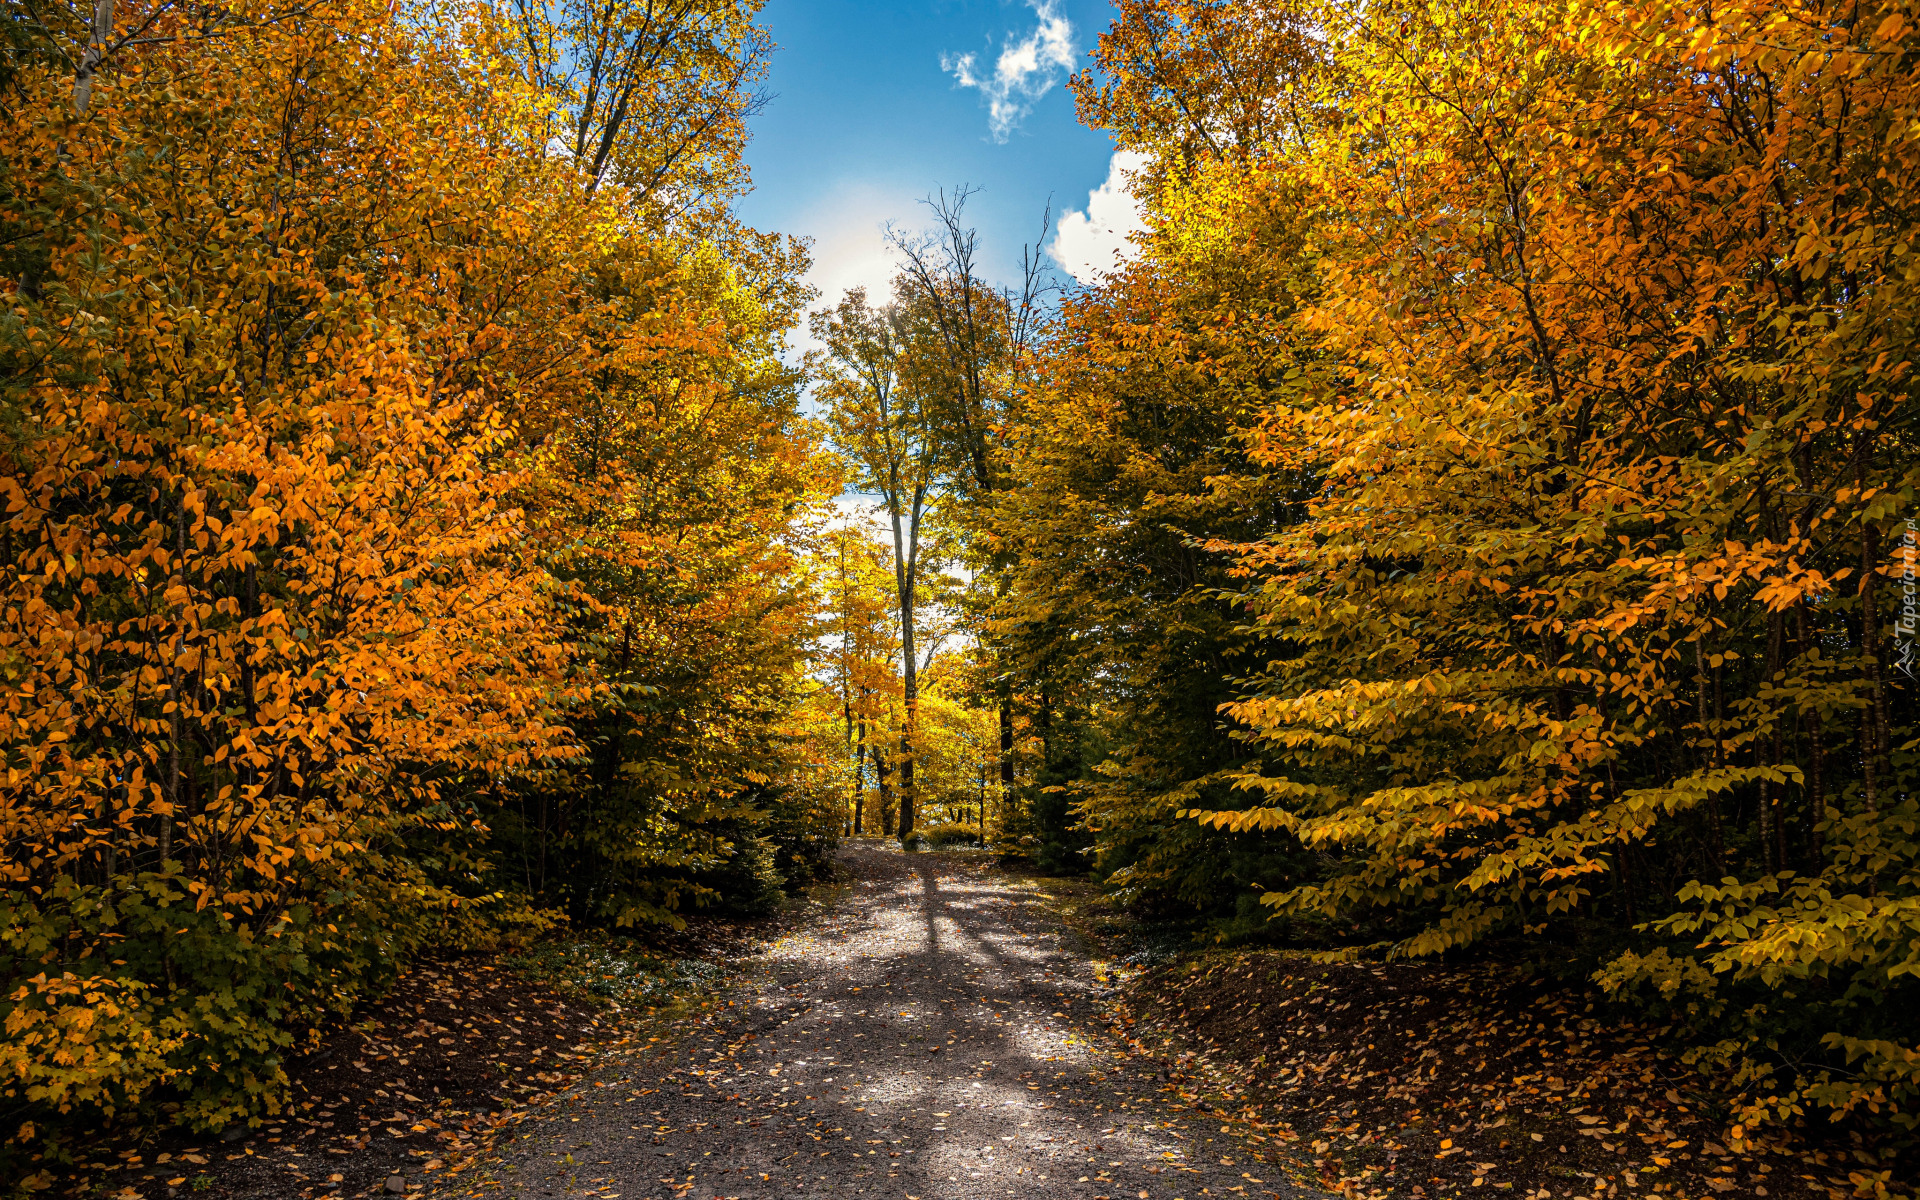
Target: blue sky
(875, 106)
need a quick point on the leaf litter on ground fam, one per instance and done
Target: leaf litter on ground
(457, 1050)
(1427, 1081)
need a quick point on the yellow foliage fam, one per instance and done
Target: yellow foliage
(82, 1040)
(1591, 616)
(350, 432)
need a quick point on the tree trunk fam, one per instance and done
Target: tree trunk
(906, 751)
(174, 696)
(905, 566)
(853, 749)
(1006, 760)
(1816, 783)
(859, 782)
(1873, 719)
(886, 794)
(95, 56)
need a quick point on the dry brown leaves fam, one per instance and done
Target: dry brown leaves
(1436, 1081)
(413, 1085)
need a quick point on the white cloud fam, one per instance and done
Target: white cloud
(1023, 72)
(1091, 243)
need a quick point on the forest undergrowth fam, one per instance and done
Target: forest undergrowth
(1467, 544)
(1402, 1079)
(451, 1058)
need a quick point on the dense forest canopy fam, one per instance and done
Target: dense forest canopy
(1477, 520)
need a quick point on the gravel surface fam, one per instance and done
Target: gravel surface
(933, 1036)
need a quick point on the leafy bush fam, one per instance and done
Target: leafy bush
(203, 1007)
(749, 882)
(943, 837)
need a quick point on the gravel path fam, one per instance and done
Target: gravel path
(933, 1037)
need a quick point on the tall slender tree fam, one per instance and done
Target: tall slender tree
(976, 349)
(877, 410)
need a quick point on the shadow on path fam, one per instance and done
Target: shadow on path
(933, 1038)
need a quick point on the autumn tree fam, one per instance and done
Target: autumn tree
(1128, 457)
(1592, 355)
(975, 348)
(663, 498)
(862, 653)
(653, 97)
(370, 480)
(960, 750)
(878, 412)
(292, 601)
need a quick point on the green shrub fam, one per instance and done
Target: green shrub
(749, 883)
(942, 837)
(123, 996)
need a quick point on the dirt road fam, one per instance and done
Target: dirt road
(933, 1037)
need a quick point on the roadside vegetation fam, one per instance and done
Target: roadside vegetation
(1466, 550)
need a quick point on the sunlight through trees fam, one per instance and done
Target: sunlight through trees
(1478, 521)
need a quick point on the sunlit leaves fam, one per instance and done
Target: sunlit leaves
(1589, 623)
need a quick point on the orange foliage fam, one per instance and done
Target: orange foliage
(1597, 392)
(329, 395)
